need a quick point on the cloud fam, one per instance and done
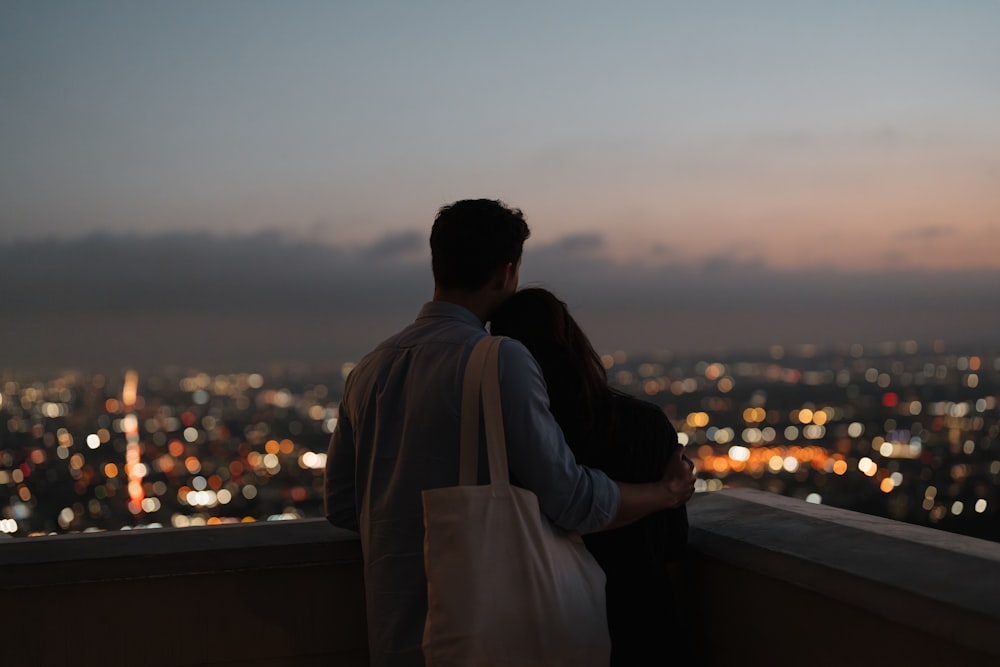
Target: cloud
(575, 244)
(197, 299)
(407, 244)
(927, 232)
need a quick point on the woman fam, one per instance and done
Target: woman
(631, 440)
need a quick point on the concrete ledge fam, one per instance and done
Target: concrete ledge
(868, 586)
(284, 593)
(142, 554)
(771, 580)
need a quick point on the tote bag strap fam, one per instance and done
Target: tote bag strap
(468, 461)
(482, 381)
(496, 442)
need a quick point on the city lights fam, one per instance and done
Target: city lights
(903, 435)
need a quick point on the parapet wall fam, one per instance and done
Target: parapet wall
(286, 593)
(772, 581)
(779, 581)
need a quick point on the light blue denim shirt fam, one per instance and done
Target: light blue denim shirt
(398, 434)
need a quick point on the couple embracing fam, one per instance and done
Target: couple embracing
(601, 463)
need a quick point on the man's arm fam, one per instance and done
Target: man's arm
(341, 508)
(574, 497)
(672, 490)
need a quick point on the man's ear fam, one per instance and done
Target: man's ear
(502, 276)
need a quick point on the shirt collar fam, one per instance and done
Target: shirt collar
(448, 310)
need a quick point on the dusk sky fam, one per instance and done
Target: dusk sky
(852, 138)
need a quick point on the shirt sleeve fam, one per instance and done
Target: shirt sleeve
(572, 496)
(340, 500)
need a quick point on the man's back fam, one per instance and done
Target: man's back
(398, 434)
(402, 405)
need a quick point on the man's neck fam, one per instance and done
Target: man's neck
(480, 302)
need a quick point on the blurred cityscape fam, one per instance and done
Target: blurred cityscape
(904, 430)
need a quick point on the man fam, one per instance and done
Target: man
(398, 431)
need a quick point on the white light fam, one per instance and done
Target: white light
(896, 478)
(199, 483)
(150, 505)
(814, 498)
(139, 470)
(856, 429)
(791, 464)
(791, 433)
(981, 505)
(225, 497)
(885, 449)
(249, 491)
(682, 439)
(190, 434)
(66, 517)
(957, 507)
(93, 441)
(739, 453)
(130, 423)
(814, 431)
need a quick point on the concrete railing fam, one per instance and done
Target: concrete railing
(772, 581)
(777, 581)
(286, 593)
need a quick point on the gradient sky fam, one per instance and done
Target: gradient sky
(789, 134)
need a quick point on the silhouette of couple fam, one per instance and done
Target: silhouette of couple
(601, 462)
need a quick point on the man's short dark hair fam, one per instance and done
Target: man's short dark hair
(472, 238)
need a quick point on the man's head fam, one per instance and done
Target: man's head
(475, 240)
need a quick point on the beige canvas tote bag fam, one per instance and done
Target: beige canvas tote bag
(504, 585)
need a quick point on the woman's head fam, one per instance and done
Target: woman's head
(573, 371)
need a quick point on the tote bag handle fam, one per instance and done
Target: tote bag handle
(482, 380)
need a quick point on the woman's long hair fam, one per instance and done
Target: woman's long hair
(579, 395)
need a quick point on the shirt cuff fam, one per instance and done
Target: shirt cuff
(607, 502)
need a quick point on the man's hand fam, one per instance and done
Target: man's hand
(678, 479)
(673, 490)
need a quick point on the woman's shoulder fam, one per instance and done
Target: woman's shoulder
(640, 441)
(626, 403)
(631, 410)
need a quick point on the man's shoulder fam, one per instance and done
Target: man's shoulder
(513, 347)
(515, 357)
